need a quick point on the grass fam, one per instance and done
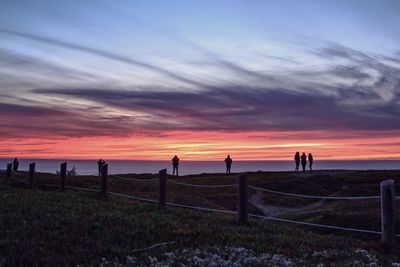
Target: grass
(45, 227)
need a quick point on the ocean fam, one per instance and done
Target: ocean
(89, 167)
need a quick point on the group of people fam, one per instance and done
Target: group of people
(228, 162)
(303, 160)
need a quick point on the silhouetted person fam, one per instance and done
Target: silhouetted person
(297, 160)
(310, 161)
(100, 164)
(228, 162)
(304, 161)
(175, 164)
(15, 164)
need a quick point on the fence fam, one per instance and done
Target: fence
(387, 198)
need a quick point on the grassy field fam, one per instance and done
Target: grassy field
(45, 227)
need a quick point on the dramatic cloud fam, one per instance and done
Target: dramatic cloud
(369, 100)
(246, 109)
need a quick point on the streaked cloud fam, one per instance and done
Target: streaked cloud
(101, 53)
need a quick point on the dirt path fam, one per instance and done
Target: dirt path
(270, 210)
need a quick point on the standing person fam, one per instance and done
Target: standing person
(297, 160)
(304, 161)
(228, 162)
(100, 164)
(15, 164)
(175, 164)
(310, 161)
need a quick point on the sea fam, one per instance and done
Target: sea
(89, 167)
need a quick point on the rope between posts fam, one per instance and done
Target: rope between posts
(315, 224)
(310, 196)
(133, 197)
(133, 179)
(202, 186)
(232, 212)
(200, 208)
(108, 192)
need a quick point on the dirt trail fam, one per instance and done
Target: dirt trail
(270, 210)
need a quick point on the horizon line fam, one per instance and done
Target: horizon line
(194, 160)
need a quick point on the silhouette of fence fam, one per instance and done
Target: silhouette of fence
(387, 198)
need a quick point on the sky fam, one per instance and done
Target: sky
(256, 79)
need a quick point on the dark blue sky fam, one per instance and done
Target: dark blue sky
(119, 67)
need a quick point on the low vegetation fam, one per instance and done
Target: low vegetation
(46, 227)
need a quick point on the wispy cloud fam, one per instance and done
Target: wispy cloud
(104, 54)
(13, 63)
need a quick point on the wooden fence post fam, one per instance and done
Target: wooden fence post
(242, 199)
(104, 176)
(31, 175)
(9, 170)
(387, 213)
(162, 187)
(63, 175)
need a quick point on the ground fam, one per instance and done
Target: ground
(46, 227)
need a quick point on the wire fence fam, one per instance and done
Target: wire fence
(278, 192)
(263, 217)
(162, 179)
(154, 179)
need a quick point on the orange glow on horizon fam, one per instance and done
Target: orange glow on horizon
(208, 145)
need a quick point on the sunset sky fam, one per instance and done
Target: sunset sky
(201, 79)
